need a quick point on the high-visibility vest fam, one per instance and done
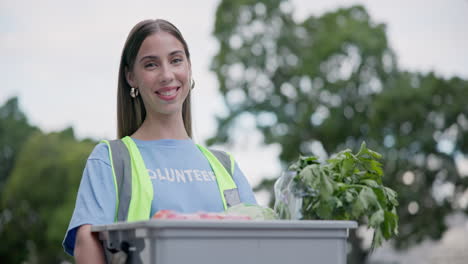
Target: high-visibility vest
(134, 189)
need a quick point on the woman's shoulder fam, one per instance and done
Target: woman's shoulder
(100, 152)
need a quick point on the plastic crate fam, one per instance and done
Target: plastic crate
(226, 242)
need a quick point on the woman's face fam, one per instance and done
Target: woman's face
(162, 74)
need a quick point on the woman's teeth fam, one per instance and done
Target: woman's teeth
(168, 93)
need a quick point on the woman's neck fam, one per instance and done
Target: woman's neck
(161, 127)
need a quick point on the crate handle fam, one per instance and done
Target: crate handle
(120, 256)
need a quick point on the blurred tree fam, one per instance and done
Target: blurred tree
(330, 82)
(39, 197)
(420, 123)
(14, 130)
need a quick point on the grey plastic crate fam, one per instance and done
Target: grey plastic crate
(227, 242)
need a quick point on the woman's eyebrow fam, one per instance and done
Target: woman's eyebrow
(151, 57)
(154, 57)
(176, 52)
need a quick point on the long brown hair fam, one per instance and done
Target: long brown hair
(131, 111)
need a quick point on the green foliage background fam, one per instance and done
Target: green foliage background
(39, 193)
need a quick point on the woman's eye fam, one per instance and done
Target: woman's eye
(150, 65)
(177, 60)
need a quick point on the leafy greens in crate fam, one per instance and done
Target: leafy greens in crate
(346, 187)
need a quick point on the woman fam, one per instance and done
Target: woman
(154, 117)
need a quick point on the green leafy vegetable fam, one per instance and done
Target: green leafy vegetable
(346, 187)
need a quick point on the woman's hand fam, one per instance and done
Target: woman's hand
(88, 248)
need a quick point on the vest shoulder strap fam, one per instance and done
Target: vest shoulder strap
(142, 192)
(222, 165)
(120, 158)
(226, 160)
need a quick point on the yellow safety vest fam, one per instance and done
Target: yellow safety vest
(134, 190)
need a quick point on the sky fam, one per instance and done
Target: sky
(61, 59)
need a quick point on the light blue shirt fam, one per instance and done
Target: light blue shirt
(182, 179)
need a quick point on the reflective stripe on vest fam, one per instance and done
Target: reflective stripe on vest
(226, 185)
(134, 190)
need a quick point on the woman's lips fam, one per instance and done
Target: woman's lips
(168, 93)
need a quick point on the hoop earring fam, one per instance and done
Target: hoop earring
(134, 92)
(192, 83)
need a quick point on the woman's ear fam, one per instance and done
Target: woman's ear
(130, 78)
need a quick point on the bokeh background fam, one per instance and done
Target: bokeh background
(274, 79)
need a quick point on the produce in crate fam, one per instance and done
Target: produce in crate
(346, 187)
(236, 212)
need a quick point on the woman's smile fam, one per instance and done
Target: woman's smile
(168, 93)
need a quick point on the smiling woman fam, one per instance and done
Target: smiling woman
(155, 137)
(161, 74)
(161, 62)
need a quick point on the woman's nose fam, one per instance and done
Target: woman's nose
(166, 74)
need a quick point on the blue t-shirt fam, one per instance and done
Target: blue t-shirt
(182, 179)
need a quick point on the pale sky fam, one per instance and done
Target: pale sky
(61, 58)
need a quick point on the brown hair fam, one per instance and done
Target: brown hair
(131, 112)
